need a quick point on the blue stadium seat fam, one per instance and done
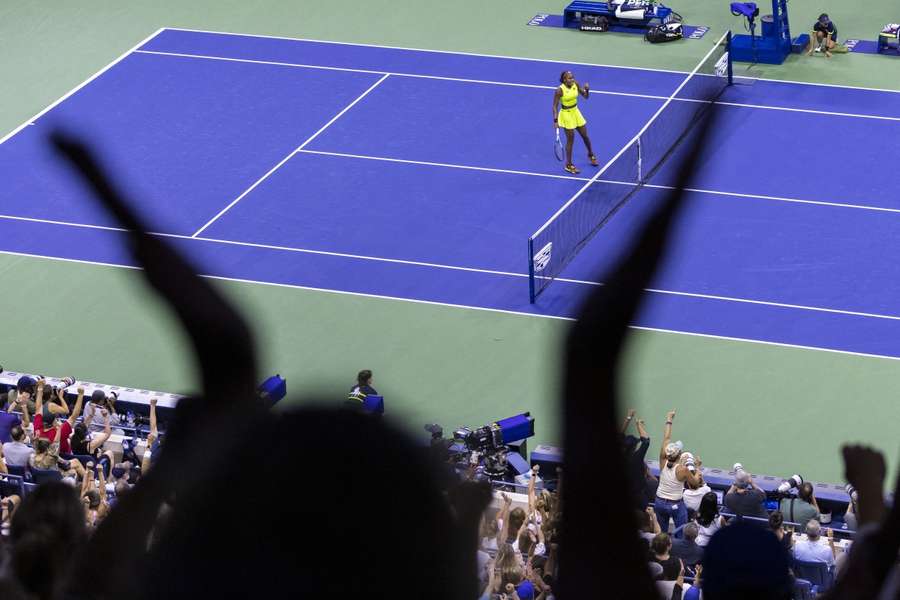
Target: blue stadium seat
(11, 484)
(27, 488)
(803, 590)
(13, 470)
(44, 475)
(84, 459)
(817, 573)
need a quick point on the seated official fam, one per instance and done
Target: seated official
(363, 396)
(363, 387)
(824, 36)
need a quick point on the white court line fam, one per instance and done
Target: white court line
(512, 84)
(397, 74)
(449, 165)
(81, 85)
(543, 60)
(827, 113)
(415, 263)
(454, 52)
(465, 307)
(831, 85)
(288, 157)
(612, 181)
(275, 63)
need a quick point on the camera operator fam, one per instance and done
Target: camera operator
(744, 498)
(802, 508)
(24, 392)
(673, 472)
(850, 517)
(93, 414)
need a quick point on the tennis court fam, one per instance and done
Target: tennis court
(419, 175)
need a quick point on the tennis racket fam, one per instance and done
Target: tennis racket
(557, 146)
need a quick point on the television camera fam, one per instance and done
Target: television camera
(488, 447)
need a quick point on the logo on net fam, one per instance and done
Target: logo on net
(542, 258)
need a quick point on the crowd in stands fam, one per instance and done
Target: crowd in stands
(50, 444)
(679, 515)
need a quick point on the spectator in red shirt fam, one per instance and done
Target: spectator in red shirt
(47, 426)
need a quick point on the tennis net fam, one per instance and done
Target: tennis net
(558, 240)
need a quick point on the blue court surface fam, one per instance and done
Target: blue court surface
(419, 175)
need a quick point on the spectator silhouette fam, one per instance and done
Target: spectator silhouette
(47, 530)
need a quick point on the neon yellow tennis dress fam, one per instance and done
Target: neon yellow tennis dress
(569, 115)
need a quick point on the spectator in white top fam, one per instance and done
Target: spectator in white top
(695, 490)
(708, 519)
(812, 549)
(673, 472)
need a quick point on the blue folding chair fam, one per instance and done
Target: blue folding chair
(817, 573)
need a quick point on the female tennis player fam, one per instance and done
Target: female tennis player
(570, 118)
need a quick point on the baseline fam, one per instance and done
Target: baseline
(545, 60)
(433, 265)
(836, 333)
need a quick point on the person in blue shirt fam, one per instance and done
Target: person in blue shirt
(824, 36)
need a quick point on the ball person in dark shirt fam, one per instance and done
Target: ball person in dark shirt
(362, 388)
(824, 36)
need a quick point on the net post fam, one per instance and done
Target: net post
(728, 50)
(531, 294)
(640, 166)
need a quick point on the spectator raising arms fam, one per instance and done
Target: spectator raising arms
(635, 455)
(49, 424)
(673, 473)
(93, 416)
